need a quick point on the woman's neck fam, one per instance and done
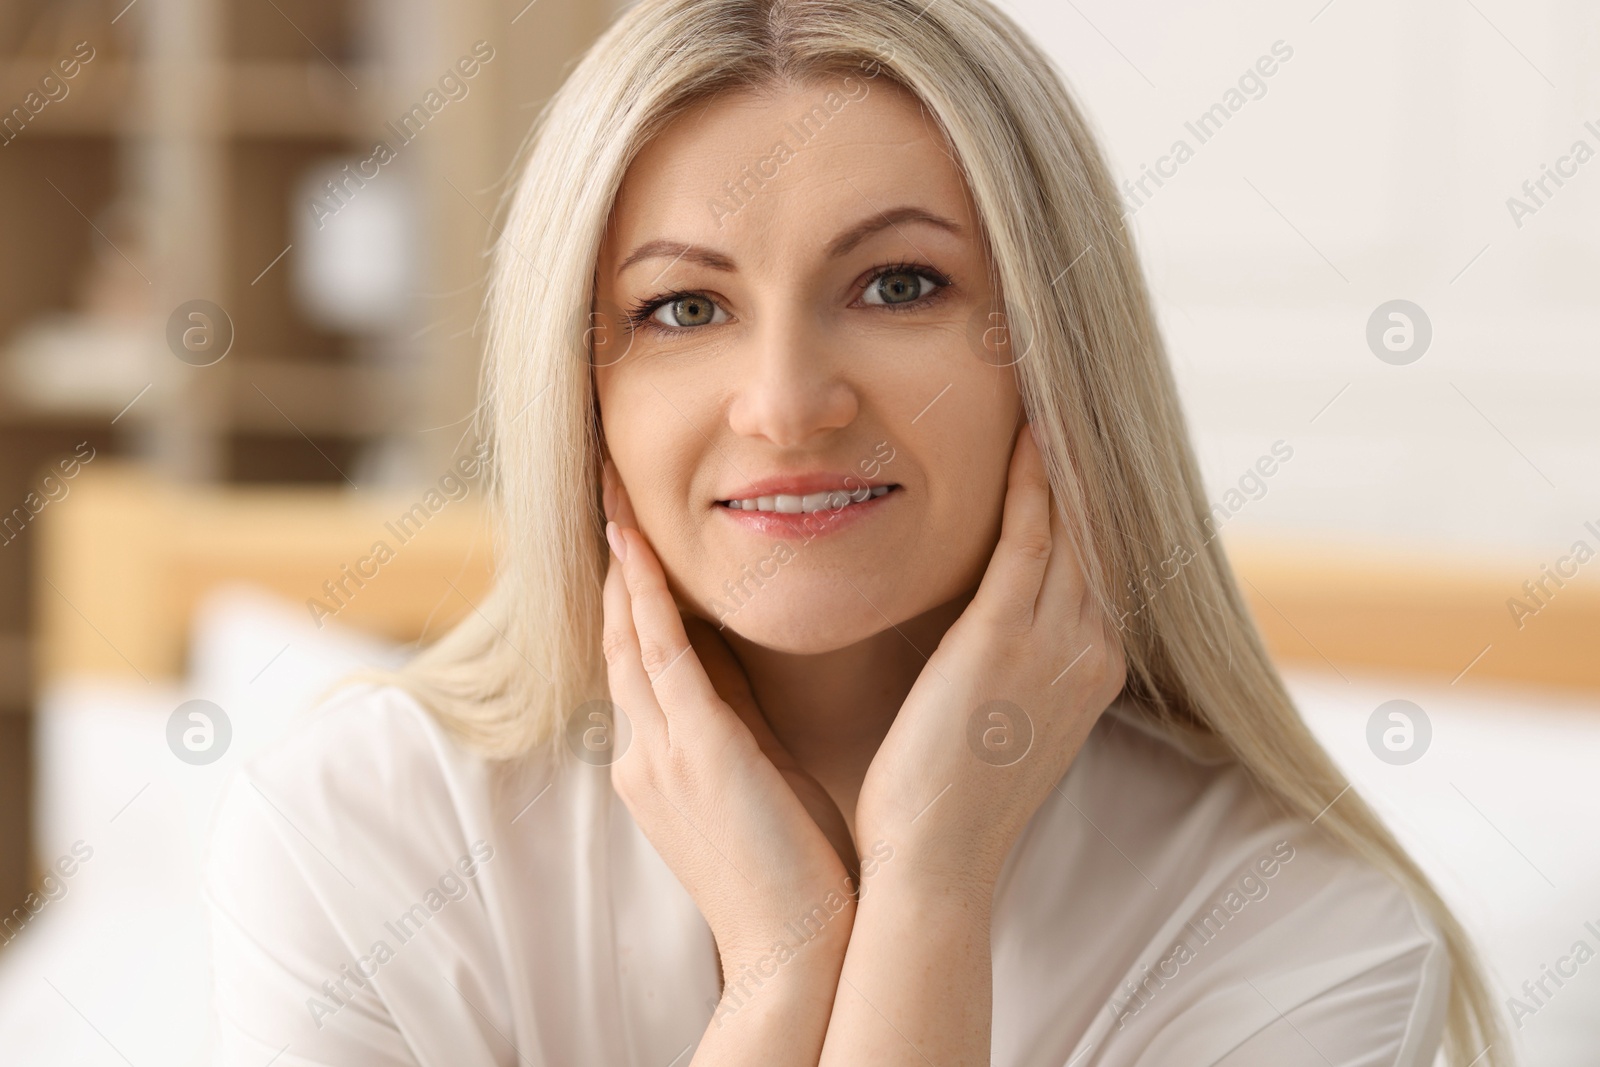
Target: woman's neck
(832, 709)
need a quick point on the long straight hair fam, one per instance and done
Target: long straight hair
(1093, 374)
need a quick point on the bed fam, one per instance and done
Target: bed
(151, 595)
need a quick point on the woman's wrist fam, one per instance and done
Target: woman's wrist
(940, 873)
(796, 974)
(919, 954)
(923, 883)
(807, 942)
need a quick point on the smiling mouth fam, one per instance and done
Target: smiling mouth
(788, 504)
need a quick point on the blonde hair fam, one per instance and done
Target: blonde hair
(1095, 382)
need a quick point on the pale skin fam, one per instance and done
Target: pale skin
(823, 729)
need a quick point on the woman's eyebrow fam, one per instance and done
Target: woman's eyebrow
(847, 240)
(711, 259)
(676, 250)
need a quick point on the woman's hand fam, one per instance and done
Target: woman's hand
(1003, 705)
(991, 724)
(729, 680)
(706, 780)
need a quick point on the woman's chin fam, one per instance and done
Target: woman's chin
(800, 629)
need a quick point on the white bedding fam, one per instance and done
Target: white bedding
(1501, 811)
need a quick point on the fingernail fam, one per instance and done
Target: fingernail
(608, 489)
(618, 545)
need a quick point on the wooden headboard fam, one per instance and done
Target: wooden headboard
(126, 556)
(1435, 614)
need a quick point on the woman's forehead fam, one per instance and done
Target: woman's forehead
(746, 166)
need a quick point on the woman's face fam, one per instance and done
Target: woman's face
(813, 340)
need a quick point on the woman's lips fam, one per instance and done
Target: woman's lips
(807, 524)
(799, 484)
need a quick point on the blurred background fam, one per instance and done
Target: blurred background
(241, 259)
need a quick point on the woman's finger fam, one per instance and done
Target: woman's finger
(648, 625)
(1011, 582)
(682, 690)
(629, 684)
(726, 673)
(733, 685)
(1061, 589)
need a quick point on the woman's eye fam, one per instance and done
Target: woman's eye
(691, 310)
(898, 287)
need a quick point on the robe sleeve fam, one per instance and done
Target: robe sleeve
(346, 903)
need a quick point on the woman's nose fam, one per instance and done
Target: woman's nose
(791, 385)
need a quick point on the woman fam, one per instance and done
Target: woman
(914, 715)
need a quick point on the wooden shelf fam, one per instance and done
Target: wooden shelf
(264, 397)
(261, 98)
(268, 396)
(16, 671)
(175, 158)
(287, 99)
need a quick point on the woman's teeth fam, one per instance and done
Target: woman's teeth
(795, 505)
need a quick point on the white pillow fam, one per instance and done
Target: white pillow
(116, 964)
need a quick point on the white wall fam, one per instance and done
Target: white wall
(1390, 141)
